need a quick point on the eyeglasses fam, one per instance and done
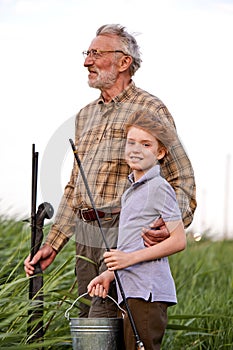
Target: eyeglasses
(98, 53)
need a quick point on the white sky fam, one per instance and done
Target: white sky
(187, 56)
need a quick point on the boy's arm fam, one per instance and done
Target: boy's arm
(116, 259)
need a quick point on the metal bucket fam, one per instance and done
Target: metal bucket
(96, 333)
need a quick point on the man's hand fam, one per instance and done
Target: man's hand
(157, 233)
(45, 255)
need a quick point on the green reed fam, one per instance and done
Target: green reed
(203, 273)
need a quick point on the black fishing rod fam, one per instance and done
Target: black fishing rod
(139, 343)
(35, 330)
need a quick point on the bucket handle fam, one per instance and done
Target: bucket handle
(67, 316)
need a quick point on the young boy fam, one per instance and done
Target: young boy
(144, 271)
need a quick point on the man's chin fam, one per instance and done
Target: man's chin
(93, 84)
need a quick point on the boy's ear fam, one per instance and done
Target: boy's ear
(161, 153)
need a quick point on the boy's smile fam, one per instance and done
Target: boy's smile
(142, 151)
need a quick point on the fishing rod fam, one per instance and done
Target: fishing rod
(45, 210)
(139, 343)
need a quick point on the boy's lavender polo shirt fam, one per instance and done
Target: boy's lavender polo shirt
(142, 203)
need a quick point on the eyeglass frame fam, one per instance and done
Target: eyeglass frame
(94, 52)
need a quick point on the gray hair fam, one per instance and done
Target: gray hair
(129, 43)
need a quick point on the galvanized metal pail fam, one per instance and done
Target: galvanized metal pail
(96, 333)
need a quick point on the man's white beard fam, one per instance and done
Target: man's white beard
(104, 80)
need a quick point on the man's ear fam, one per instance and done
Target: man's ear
(125, 63)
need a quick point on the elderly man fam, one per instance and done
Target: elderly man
(112, 59)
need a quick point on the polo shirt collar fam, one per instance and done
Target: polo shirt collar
(153, 172)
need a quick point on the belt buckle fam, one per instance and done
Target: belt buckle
(81, 213)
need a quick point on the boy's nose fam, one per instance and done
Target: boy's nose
(137, 147)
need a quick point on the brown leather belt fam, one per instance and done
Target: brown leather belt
(88, 214)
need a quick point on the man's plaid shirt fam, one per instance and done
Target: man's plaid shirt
(100, 141)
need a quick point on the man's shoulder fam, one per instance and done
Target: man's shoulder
(147, 98)
(90, 105)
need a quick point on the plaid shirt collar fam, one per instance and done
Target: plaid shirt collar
(123, 96)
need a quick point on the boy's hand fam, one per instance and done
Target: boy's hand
(99, 285)
(117, 260)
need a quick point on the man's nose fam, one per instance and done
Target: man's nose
(88, 61)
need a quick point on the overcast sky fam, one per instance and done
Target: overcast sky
(187, 57)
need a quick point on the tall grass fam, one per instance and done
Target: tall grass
(202, 319)
(204, 279)
(14, 301)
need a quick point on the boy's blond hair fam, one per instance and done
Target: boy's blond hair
(164, 133)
